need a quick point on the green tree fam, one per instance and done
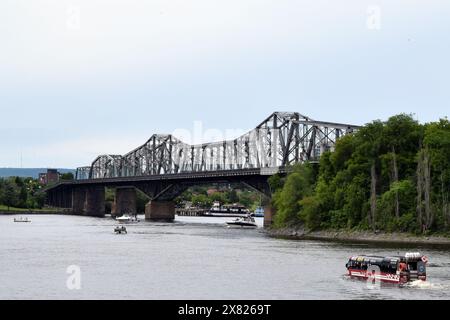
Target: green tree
(247, 199)
(405, 191)
(218, 196)
(437, 142)
(370, 179)
(201, 200)
(232, 196)
(276, 182)
(67, 176)
(10, 194)
(298, 184)
(22, 197)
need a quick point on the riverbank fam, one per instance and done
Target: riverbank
(300, 233)
(11, 211)
(30, 212)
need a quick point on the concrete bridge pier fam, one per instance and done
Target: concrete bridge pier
(78, 200)
(160, 210)
(269, 212)
(95, 201)
(60, 198)
(124, 201)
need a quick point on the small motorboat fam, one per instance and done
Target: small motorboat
(247, 221)
(126, 218)
(120, 229)
(21, 219)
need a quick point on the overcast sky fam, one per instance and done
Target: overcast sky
(87, 77)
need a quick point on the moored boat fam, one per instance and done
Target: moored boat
(394, 269)
(127, 219)
(232, 210)
(21, 219)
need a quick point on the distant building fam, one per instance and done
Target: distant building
(51, 176)
(211, 191)
(186, 204)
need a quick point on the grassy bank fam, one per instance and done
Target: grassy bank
(11, 210)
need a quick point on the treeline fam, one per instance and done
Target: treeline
(23, 193)
(390, 176)
(19, 192)
(200, 197)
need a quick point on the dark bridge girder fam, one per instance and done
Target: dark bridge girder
(161, 189)
(169, 186)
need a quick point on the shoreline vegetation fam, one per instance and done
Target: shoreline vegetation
(11, 211)
(388, 180)
(360, 236)
(23, 195)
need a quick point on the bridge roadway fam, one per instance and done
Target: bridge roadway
(87, 197)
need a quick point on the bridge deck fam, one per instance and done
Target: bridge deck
(177, 176)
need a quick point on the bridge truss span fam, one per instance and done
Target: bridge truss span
(284, 138)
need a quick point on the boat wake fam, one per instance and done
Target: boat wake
(419, 284)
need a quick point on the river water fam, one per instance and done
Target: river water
(192, 258)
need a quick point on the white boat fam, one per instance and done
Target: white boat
(247, 221)
(126, 218)
(234, 210)
(21, 219)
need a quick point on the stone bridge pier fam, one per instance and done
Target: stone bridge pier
(124, 201)
(158, 210)
(78, 200)
(269, 212)
(155, 210)
(95, 201)
(89, 201)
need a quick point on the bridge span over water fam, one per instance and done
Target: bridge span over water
(165, 166)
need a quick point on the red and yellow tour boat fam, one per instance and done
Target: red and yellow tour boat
(395, 269)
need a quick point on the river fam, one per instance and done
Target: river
(192, 258)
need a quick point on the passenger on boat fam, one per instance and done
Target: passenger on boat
(403, 266)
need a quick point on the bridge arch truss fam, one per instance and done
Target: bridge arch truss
(282, 139)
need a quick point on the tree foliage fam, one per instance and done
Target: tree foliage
(391, 176)
(21, 193)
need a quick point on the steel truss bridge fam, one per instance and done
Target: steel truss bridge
(165, 166)
(284, 138)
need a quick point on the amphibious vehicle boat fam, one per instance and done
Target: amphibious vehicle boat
(395, 269)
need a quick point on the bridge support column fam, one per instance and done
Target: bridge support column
(78, 200)
(160, 210)
(269, 212)
(61, 198)
(95, 201)
(124, 201)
